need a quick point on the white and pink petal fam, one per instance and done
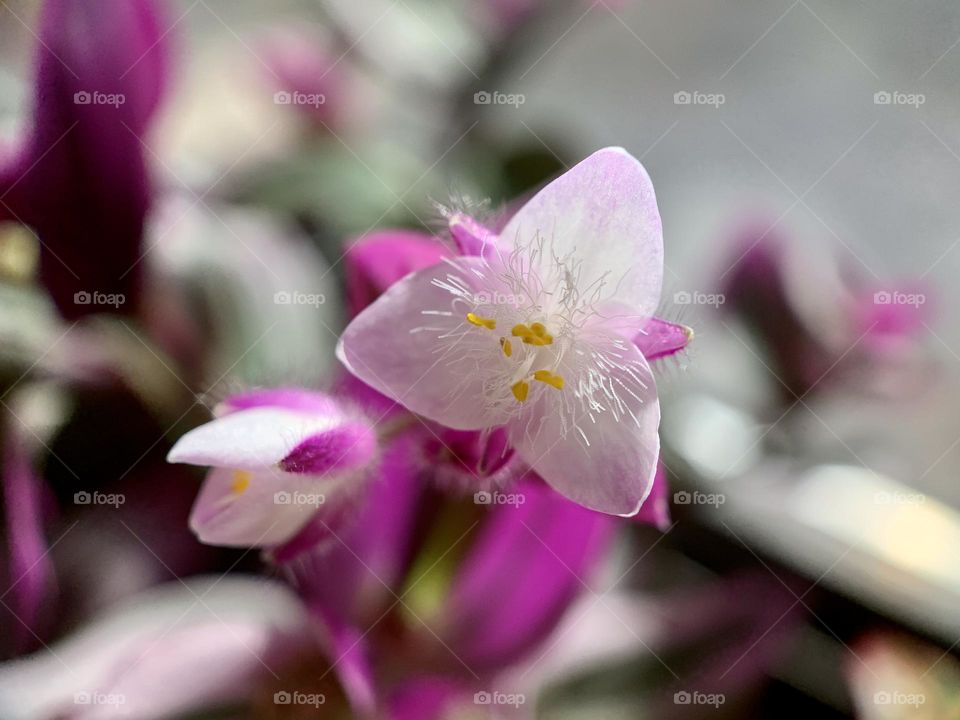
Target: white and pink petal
(406, 345)
(601, 215)
(596, 442)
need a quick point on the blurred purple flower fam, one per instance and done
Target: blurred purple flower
(305, 77)
(431, 341)
(80, 179)
(810, 322)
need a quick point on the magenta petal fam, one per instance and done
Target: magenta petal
(82, 179)
(364, 562)
(340, 448)
(526, 565)
(467, 459)
(469, 235)
(427, 699)
(376, 261)
(660, 339)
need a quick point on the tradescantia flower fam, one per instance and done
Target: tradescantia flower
(279, 458)
(532, 330)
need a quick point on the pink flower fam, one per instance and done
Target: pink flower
(534, 334)
(279, 458)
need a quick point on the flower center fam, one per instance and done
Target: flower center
(536, 335)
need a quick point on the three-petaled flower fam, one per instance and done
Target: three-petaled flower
(533, 330)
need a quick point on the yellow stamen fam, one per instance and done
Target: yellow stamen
(538, 340)
(506, 346)
(488, 323)
(241, 481)
(520, 390)
(535, 334)
(551, 379)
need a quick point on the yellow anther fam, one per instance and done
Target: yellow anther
(551, 379)
(534, 334)
(520, 390)
(538, 340)
(488, 323)
(506, 346)
(241, 481)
